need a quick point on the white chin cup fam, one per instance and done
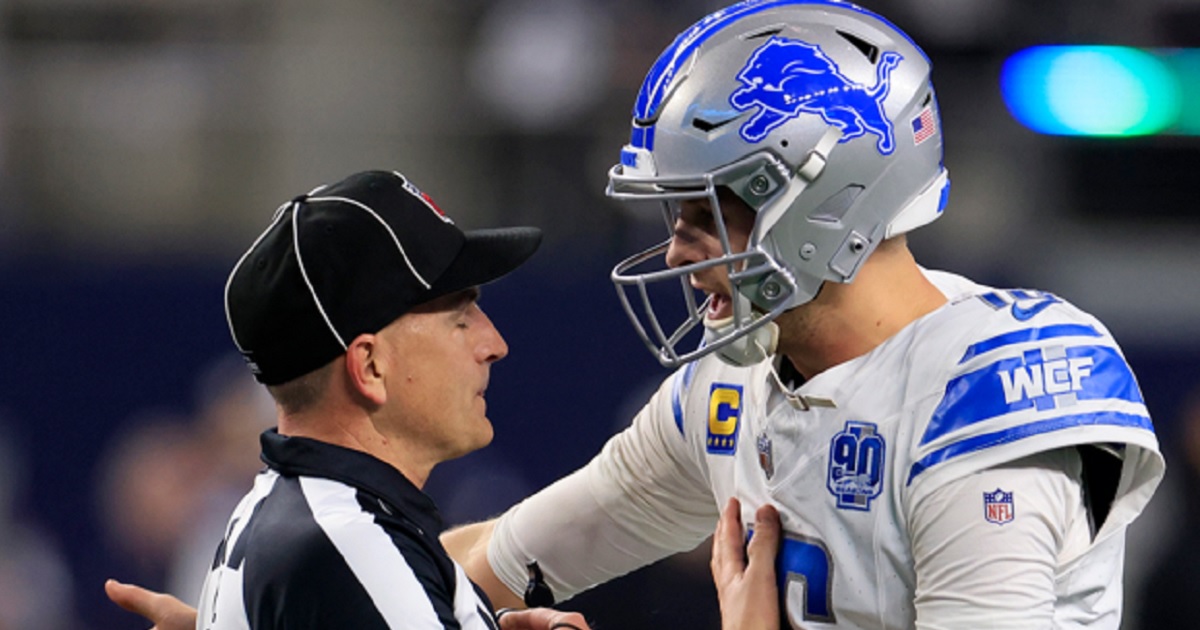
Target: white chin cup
(748, 349)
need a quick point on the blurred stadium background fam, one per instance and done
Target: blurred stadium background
(144, 144)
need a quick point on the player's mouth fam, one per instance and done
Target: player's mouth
(719, 307)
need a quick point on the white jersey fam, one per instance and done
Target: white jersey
(946, 417)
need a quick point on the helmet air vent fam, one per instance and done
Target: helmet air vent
(768, 31)
(869, 50)
(833, 209)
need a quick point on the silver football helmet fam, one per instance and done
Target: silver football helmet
(821, 117)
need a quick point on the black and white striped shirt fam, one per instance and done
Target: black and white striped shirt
(334, 538)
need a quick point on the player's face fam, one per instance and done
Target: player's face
(440, 355)
(695, 239)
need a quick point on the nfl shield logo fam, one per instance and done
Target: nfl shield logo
(998, 506)
(766, 456)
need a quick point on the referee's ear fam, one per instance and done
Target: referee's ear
(363, 369)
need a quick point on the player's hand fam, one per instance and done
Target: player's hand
(165, 611)
(542, 619)
(747, 590)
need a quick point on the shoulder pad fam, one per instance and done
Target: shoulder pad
(1031, 373)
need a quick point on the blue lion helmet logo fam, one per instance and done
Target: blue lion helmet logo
(787, 77)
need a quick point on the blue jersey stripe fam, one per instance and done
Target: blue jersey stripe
(678, 388)
(1042, 378)
(654, 86)
(1027, 335)
(988, 440)
(994, 300)
(677, 401)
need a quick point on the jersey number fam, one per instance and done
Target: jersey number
(806, 564)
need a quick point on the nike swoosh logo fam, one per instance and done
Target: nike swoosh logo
(1023, 314)
(709, 125)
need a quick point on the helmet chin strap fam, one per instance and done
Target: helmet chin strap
(748, 349)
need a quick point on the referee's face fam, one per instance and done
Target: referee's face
(438, 365)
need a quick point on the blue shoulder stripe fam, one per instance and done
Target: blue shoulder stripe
(1027, 335)
(1043, 378)
(678, 388)
(1013, 434)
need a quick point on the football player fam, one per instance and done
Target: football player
(943, 454)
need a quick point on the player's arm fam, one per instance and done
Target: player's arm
(744, 577)
(164, 611)
(468, 545)
(997, 569)
(644, 497)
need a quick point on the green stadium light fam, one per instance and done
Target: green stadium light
(1109, 91)
(1185, 63)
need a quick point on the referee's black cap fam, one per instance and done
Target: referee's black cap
(348, 259)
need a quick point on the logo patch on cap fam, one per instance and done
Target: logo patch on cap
(425, 199)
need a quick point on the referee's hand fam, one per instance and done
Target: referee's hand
(745, 574)
(542, 619)
(166, 612)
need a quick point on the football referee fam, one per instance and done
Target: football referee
(356, 307)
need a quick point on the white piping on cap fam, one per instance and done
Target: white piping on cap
(228, 281)
(308, 283)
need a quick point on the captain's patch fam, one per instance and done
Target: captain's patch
(724, 411)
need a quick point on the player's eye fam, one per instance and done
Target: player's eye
(703, 218)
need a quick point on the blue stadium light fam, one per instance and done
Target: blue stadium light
(1111, 91)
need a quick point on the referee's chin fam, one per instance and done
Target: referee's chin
(486, 434)
(478, 435)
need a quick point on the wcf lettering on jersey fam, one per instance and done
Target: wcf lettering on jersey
(1054, 377)
(1043, 379)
